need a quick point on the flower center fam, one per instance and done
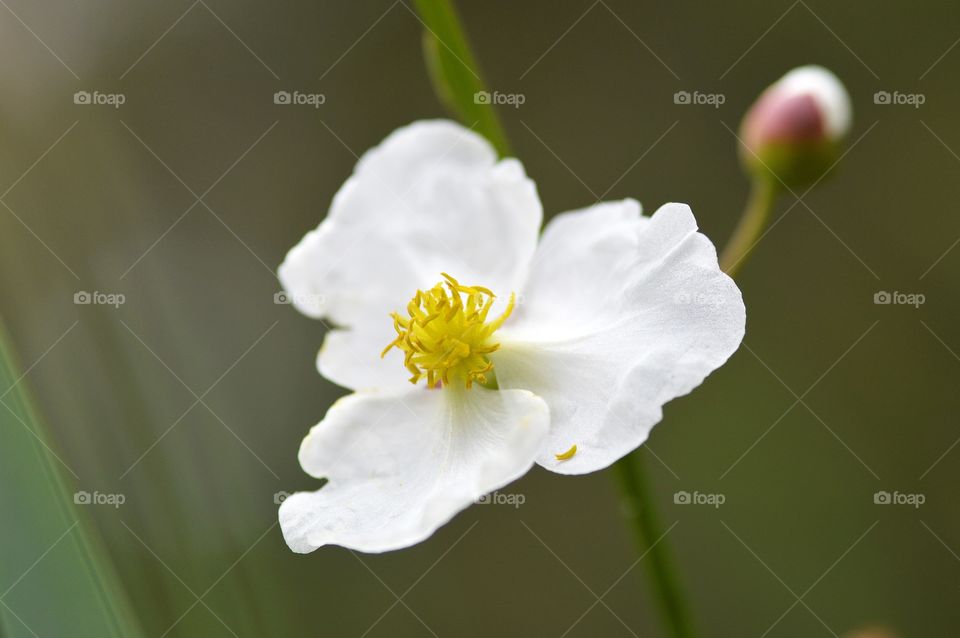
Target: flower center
(446, 336)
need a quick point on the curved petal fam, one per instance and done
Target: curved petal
(431, 198)
(621, 314)
(351, 357)
(400, 465)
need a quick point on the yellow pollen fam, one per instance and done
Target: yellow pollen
(446, 337)
(563, 456)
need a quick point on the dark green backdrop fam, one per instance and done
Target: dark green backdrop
(830, 399)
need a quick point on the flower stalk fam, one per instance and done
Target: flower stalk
(454, 71)
(756, 215)
(638, 503)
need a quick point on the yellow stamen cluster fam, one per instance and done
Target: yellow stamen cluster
(446, 336)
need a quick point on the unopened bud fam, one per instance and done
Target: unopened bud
(792, 133)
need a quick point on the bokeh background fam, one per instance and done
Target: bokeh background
(191, 398)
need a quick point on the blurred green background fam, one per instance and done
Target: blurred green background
(191, 398)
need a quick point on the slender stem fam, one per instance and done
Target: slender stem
(455, 73)
(638, 500)
(629, 469)
(748, 231)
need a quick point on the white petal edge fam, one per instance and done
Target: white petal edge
(621, 314)
(400, 465)
(431, 198)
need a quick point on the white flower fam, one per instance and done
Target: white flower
(430, 251)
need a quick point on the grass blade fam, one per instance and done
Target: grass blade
(55, 579)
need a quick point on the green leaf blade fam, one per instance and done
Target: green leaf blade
(54, 578)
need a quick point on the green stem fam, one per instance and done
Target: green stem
(748, 231)
(629, 469)
(650, 536)
(455, 73)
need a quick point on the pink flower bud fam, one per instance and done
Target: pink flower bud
(793, 131)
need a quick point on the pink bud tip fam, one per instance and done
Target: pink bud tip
(808, 104)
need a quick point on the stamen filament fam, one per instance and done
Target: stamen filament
(446, 337)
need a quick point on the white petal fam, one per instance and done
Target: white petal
(621, 314)
(351, 357)
(400, 465)
(430, 198)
